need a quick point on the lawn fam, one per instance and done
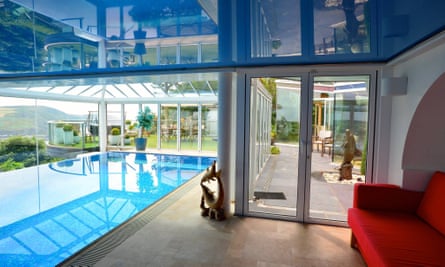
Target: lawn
(208, 144)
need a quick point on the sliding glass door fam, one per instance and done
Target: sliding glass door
(339, 137)
(308, 138)
(275, 131)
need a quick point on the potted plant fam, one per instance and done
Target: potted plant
(127, 139)
(58, 133)
(114, 138)
(145, 122)
(76, 136)
(127, 124)
(68, 134)
(144, 178)
(273, 136)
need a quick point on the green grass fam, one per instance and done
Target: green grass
(79, 145)
(208, 144)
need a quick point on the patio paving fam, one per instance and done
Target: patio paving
(330, 198)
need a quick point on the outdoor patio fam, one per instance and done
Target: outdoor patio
(330, 198)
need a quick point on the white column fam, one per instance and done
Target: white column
(199, 137)
(103, 126)
(158, 129)
(225, 129)
(178, 54)
(158, 55)
(199, 55)
(224, 134)
(122, 125)
(101, 55)
(178, 127)
(121, 57)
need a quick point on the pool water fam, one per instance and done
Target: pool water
(49, 212)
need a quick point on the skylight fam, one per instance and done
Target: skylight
(136, 88)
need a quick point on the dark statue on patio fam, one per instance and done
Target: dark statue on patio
(350, 148)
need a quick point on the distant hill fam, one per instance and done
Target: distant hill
(21, 120)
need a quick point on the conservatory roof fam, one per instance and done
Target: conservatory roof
(171, 88)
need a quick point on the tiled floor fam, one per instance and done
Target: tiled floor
(179, 236)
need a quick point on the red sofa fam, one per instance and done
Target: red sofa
(391, 226)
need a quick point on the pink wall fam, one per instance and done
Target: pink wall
(424, 150)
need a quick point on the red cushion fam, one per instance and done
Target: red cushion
(431, 208)
(386, 197)
(388, 238)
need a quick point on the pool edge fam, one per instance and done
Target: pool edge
(94, 252)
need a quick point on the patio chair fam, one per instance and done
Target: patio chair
(326, 146)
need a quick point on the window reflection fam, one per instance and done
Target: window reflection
(209, 53)
(276, 29)
(67, 52)
(341, 27)
(49, 36)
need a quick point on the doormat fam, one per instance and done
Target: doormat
(269, 195)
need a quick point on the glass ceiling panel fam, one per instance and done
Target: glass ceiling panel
(39, 89)
(135, 88)
(129, 90)
(84, 35)
(60, 89)
(154, 89)
(54, 35)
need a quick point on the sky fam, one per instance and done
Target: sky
(67, 107)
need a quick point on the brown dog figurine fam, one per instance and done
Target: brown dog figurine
(212, 201)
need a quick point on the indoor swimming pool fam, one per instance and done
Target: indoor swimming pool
(50, 212)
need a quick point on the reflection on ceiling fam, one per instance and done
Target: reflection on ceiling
(202, 87)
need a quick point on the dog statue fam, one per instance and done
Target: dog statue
(212, 201)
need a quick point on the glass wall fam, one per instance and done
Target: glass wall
(169, 130)
(152, 134)
(209, 127)
(189, 127)
(261, 124)
(115, 124)
(35, 131)
(184, 111)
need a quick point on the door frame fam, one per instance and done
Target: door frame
(372, 92)
(242, 138)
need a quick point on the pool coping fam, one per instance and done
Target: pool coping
(94, 252)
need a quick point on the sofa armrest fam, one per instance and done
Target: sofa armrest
(386, 197)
